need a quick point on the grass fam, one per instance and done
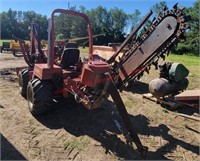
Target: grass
(84, 50)
(192, 63)
(129, 102)
(79, 143)
(189, 61)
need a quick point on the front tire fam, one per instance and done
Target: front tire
(39, 96)
(23, 79)
(14, 52)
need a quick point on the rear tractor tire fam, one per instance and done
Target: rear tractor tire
(23, 79)
(39, 96)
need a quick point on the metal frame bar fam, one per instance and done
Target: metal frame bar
(51, 33)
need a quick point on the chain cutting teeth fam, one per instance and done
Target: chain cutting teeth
(175, 6)
(185, 18)
(181, 8)
(182, 25)
(165, 8)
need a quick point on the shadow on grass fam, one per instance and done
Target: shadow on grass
(98, 124)
(138, 87)
(8, 151)
(143, 88)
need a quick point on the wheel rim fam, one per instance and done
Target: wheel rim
(20, 88)
(30, 98)
(20, 79)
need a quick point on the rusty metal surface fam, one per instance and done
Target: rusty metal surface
(158, 39)
(160, 35)
(189, 95)
(51, 33)
(124, 115)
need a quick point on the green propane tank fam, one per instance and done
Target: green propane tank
(178, 72)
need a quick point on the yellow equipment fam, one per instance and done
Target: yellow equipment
(15, 46)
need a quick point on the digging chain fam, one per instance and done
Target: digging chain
(182, 26)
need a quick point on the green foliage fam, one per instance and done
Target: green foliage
(16, 23)
(133, 19)
(112, 23)
(187, 60)
(70, 26)
(60, 37)
(192, 63)
(84, 50)
(191, 44)
(184, 48)
(79, 143)
(158, 7)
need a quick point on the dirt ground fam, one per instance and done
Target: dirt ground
(71, 132)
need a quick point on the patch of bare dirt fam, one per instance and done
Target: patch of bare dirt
(71, 132)
(7, 60)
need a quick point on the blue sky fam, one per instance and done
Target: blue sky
(45, 7)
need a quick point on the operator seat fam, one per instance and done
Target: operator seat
(70, 55)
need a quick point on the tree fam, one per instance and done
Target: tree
(101, 23)
(191, 44)
(70, 26)
(15, 23)
(133, 19)
(112, 23)
(30, 17)
(119, 20)
(8, 24)
(82, 9)
(60, 36)
(158, 7)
